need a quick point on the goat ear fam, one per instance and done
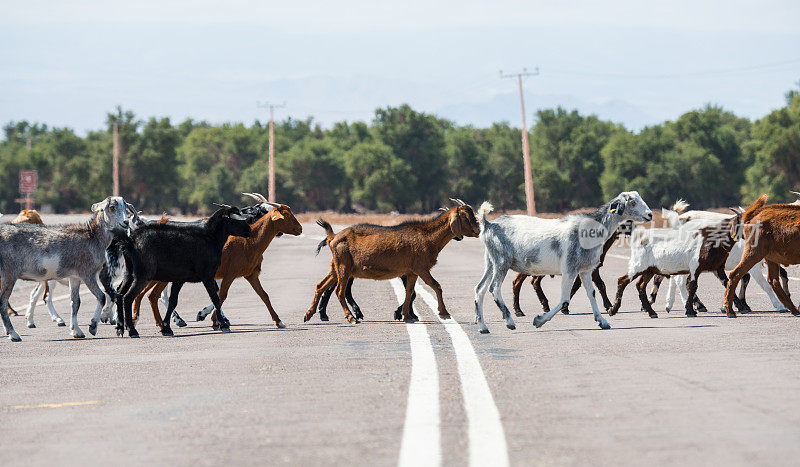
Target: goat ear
(617, 207)
(276, 215)
(101, 205)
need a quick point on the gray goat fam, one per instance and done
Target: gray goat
(47, 252)
(570, 246)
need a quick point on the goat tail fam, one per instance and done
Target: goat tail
(328, 233)
(754, 208)
(680, 206)
(486, 208)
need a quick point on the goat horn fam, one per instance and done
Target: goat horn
(443, 209)
(458, 202)
(252, 196)
(261, 197)
(221, 205)
(796, 193)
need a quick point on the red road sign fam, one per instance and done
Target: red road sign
(27, 181)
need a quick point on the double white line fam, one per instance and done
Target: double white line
(421, 444)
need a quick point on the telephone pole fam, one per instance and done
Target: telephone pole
(526, 153)
(115, 168)
(272, 107)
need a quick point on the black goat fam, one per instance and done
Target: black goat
(172, 253)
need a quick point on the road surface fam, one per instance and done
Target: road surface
(672, 390)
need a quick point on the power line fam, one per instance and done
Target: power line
(713, 72)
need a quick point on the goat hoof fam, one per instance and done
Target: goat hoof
(14, 337)
(133, 333)
(78, 336)
(359, 315)
(484, 331)
(441, 315)
(519, 313)
(167, 332)
(323, 317)
(795, 312)
(692, 314)
(60, 322)
(280, 325)
(604, 325)
(104, 319)
(31, 325)
(200, 316)
(511, 326)
(93, 329)
(225, 328)
(702, 309)
(13, 313)
(653, 315)
(120, 333)
(538, 321)
(565, 310)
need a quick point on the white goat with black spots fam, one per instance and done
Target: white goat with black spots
(570, 246)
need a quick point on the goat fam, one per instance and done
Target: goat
(695, 247)
(734, 257)
(570, 246)
(172, 253)
(536, 281)
(773, 235)
(378, 252)
(43, 252)
(31, 216)
(242, 257)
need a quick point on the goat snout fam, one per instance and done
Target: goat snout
(648, 216)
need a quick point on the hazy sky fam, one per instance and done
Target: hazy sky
(635, 62)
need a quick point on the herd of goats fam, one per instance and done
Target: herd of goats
(131, 256)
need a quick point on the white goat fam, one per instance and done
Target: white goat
(697, 246)
(570, 247)
(735, 255)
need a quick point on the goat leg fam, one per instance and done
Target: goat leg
(745, 308)
(691, 288)
(398, 313)
(348, 295)
(519, 281)
(622, 282)
(656, 285)
(641, 287)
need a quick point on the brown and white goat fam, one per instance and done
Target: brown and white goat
(242, 257)
(772, 233)
(376, 252)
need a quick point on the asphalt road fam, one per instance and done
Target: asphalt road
(672, 390)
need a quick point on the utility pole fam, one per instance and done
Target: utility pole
(115, 168)
(526, 153)
(272, 107)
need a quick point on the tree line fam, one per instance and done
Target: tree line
(410, 161)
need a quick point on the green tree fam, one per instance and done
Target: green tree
(379, 178)
(418, 139)
(775, 148)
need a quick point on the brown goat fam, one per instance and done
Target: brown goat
(376, 252)
(241, 257)
(773, 234)
(28, 216)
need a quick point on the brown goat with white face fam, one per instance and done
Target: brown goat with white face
(777, 242)
(376, 252)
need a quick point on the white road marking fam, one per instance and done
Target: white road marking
(487, 439)
(84, 291)
(421, 444)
